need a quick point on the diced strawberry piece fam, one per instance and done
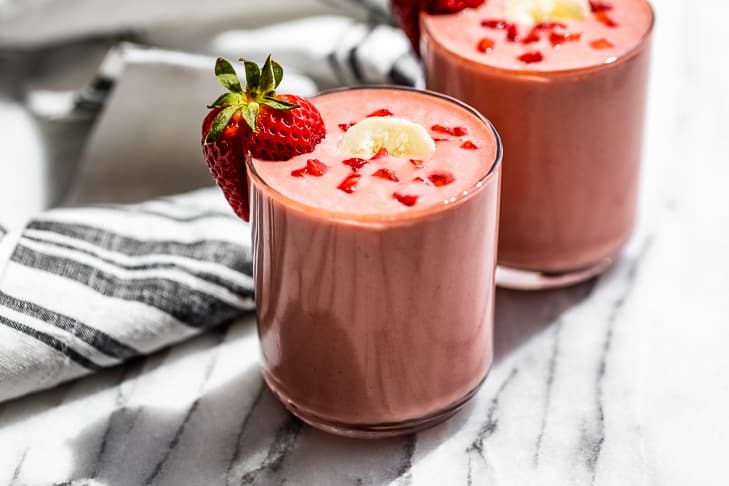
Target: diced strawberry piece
(345, 126)
(531, 57)
(316, 167)
(406, 199)
(453, 131)
(349, 183)
(417, 163)
(381, 153)
(602, 43)
(420, 179)
(597, 6)
(499, 24)
(559, 38)
(355, 163)
(531, 37)
(549, 26)
(603, 17)
(485, 45)
(386, 174)
(468, 145)
(441, 178)
(512, 34)
(299, 172)
(380, 112)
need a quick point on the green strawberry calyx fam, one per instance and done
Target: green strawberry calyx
(261, 84)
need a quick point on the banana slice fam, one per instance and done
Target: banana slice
(399, 136)
(534, 11)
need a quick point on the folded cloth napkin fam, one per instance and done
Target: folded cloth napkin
(97, 283)
(89, 287)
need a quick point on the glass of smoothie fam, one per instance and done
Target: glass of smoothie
(564, 81)
(374, 262)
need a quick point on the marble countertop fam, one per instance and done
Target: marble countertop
(619, 381)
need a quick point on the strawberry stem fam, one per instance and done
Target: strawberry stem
(261, 84)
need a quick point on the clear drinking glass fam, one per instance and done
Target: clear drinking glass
(376, 325)
(573, 142)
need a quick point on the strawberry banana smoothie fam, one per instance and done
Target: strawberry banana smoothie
(374, 262)
(565, 83)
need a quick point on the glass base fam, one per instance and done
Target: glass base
(514, 278)
(375, 430)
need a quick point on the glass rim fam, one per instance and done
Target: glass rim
(392, 218)
(526, 73)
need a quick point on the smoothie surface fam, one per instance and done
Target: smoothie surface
(600, 38)
(387, 185)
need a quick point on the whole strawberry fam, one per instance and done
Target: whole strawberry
(258, 122)
(407, 13)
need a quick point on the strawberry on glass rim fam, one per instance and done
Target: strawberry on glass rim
(257, 122)
(407, 13)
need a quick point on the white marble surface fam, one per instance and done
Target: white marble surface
(622, 381)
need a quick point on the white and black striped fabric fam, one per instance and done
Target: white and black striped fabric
(87, 288)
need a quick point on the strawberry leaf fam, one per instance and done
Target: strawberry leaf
(278, 104)
(220, 122)
(227, 76)
(277, 72)
(253, 75)
(250, 114)
(227, 99)
(268, 79)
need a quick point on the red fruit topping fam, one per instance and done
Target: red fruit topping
(531, 37)
(441, 139)
(468, 145)
(406, 199)
(596, 6)
(420, 179)
(512, 34)
(559, 38)
(380, 112)
(314, 167)
(345, 126)
(449, 6)
(602, 43)
(549, 26)
(349, 183)
(224, 157)
(299, 172)
(454, 131)
(417, 163)
(386, 174)
(355, 163)
(441, 178)
(496, 24)
(380, 154)
(531, 57)
(605, 18)
(485, 45)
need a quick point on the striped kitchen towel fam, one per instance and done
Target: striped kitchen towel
(87, 288)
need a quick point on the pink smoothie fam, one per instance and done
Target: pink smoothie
(571, 121)
(375, 316)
